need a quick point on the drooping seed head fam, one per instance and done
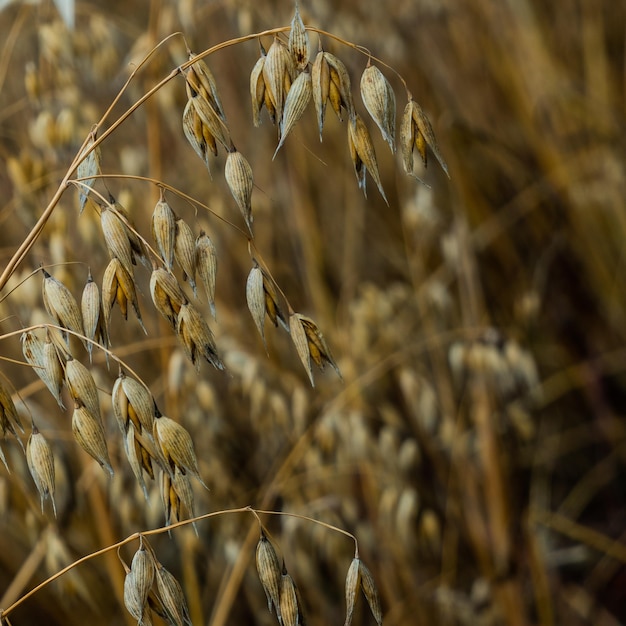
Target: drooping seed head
(295, 105)
(206, 266)
(380, 102)
(238, 174)
(196, 337)
(299, 42)
(268, 568)
(40, 462)
(185, 252)
(89, 434)
(82, 387)
(164, 231)
(61, 304)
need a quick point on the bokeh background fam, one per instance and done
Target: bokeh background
(476, 445)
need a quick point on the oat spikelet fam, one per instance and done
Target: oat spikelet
(167, 295)
(185, 252)
(116, 238)
(299, 41)
(255, 297)
(363, 154)
(238, 174)
(200, 79)
(196, 337)
(43, 358)
(295, 104)
(320, 86)
(89, 166)
(143, 568)
(380, 102)
(61, 305)
(318, 348)
(371, 594)
(289, 608)
(172, 597)
(278, 74)
(206, 266)
(91, 311)
(82, 387)
(214, 128)
(193, 130)
(353, 583)
(134, 454)
(132, 403)
(340, 91)
(268, 567)
(257, 88)
(41, 466)
(119, 286)
(417, 132)
(89, 434)
(164, 231)
(182, 486)
(176, 446)
(299, 338)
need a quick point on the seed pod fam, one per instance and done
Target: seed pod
(353, 583)
(363, 154)
(135, 458)
(278, 71)
(213, 125)
(41, 465)
(61, 305)
(192, 128)
(295, 104)
(185, 252)
(119, 286)
(53, 369)
(89, 166)
(206, 266)
(380, 102)
(200, 78)
(137, 246)
(116, 238)
(172, 597)
(167, 295)
(90, 309)
(196, 337)
(164, 231)
(132, 601)
(371, 594)
(299, 42)
(82, 387)
(320, 86)
(288, 600)
(417, 132)
(132, 402)
(298, 336)
(318, 348)
(340, 82)
(257, 88)
(142, 567)
(89, 434)
(238, 174)
(255, 296)
(176, 445)
(269, 571)
(182, 486)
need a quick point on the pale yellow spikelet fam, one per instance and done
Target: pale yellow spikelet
(143, 569)
(61, 304)
(89, 166)
(141, 403)
(185, 252)
(206, 267)
(318, 348)
(171, 596)
(89, 434)
(299, 338)
(116, 238)
(196, 337)
(91, 312)
(82, 387)
(255, 297)
(295, 105)
(238, 174)
(278, 73)
(134, 456)
(320, 87)
(192, 128)
(118, 286)
(289, 608)
(370, 592)
(363, 154)
(201, 80)
(257, 88)
(52, 368)
(353, 584)
(380, 102)
(268, 568)
(215, 125)
(167, 295)
(164, 231)
(176, 445)
(299, 41)
(340, 89)
(40, 462)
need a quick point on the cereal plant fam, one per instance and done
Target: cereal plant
(270, 352)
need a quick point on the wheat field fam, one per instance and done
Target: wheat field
(409, 402)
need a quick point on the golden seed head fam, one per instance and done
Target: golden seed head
(278, 74)
(255, 297)
(91, 312)
(353, 583)
(116, 238)
(171, 596)
(82, 387)
(206, 266)
(268, 567)
(185, 252)
(142, 567)
(299, 42)
(167, 295)
(196, 337)
(238, 174)
(41, 465)
(289, 609)
(192, 128)
(164, 231)
(257, 89)
(89, 434)
(340, 91)
(61, 304)
(295, 104)
(380, 102)
(320, 86)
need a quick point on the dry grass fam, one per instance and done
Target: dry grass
(475, 447)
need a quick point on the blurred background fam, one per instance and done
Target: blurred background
(476, 445)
